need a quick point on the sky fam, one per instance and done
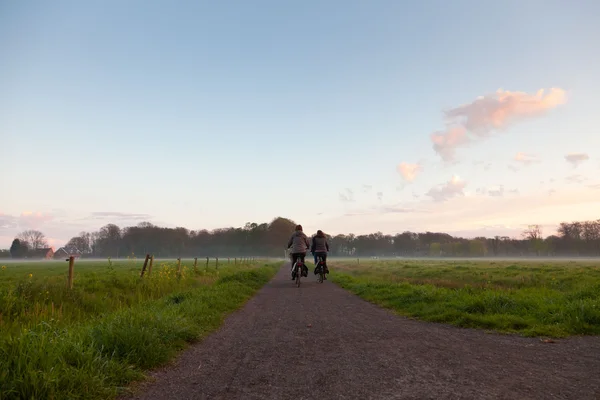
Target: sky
(467, 117)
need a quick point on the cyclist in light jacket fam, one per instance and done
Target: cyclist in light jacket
(299, 244)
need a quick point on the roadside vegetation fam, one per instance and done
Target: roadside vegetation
(555, 299)
(89, 342)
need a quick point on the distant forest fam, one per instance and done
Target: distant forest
(270, 239)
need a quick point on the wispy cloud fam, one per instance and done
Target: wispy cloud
(384, 209)
(380, 196)
(575, 178)
(576, 158)
(496, 192)
(119, 215)
(595, 187)
(347, 196)
(409, 171)
(452, 188)
(367, 188)
(478, 120)
(513, 168)
(526, 159)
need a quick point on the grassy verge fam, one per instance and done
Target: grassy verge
(532, 299)
(94, 357)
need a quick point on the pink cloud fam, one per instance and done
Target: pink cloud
(445, 143)
(526, 159)
(479, 119)
(452, 188)
(409, 171)
(33, 220)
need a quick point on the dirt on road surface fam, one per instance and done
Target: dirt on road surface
(321, 342)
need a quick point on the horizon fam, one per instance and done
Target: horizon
(387, 117)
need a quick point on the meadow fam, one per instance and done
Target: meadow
(92, 340)
(531, 298)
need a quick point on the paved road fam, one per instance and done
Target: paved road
(321, 342)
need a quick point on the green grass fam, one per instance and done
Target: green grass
(555, 299)
(112, 326)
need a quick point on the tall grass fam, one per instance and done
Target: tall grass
(548, 299)
(112, 328)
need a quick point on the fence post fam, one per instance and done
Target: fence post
(179, 267)
(217, 258)
(235, 261)
(228, 260)
(144, 266)
(207, 263)
(71, 261)
(151, 262)
(195, 264)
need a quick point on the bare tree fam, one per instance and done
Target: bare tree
(34, 239)
(533, 232)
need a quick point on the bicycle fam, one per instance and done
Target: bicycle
(320, 268)
(298, 270)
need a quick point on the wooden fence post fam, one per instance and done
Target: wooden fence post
(179, 267)
(151, 262)
(71, 261)
(207, 263)
(195, 264)
(217, 259)
(145, 265)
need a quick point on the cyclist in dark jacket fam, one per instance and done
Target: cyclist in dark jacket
(319, 248)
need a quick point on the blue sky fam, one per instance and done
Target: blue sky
(212, 114)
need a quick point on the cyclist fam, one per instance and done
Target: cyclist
(319, 248)
(299, 244)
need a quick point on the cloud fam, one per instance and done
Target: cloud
(478, 120)
(513, 168)
(409, 171)
(576, 158)
(367, 188)
(383, 210)
(119, 215)
(486, 166)
(380, 196)
(445, 142)
(452, 188)
(551, 192)
(8, 221)
(526, 159)
(473, 213)
(575, 178)
(595, 187)
(347, 196)
(496, 192)
(26, 220)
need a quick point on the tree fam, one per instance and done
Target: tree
(80, 243)
(34, 239)
(18, 249)
(533, 233)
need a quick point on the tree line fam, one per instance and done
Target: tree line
(579, 238)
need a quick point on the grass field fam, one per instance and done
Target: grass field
(555, 299)
(91, 341)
